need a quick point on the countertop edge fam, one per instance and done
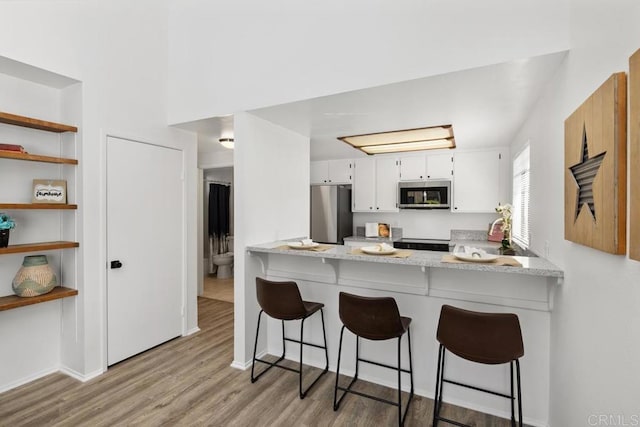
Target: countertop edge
(428, 259)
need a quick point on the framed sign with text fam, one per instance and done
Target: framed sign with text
(49, 191)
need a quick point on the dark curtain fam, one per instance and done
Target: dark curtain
(219, 211)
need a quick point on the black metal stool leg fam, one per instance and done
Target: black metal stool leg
(519, 394)
(336, 403)
(513, 403)
(399, 382)
(302, 395)
(324, 335)
(255, 347)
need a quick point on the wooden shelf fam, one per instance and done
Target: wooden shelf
(37, 247)
(35, 158)
(13, 301)
(28, 122)
(37, 206)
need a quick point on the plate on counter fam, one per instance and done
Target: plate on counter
(299, 245)
(475, 257)
(376, 250)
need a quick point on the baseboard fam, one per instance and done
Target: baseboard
(81, 377)
(191, 331)
(28, 379)
(243, 366)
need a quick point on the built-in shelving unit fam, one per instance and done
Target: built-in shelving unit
(28, 122)
(37, 206)
(36, 158)
(12, 301)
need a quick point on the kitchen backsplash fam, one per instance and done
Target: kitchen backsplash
(422, 224)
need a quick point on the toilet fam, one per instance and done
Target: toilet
(224, 261)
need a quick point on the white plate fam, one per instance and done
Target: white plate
(470, 258)
(375, 250)
(299, 245)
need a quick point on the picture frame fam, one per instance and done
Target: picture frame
(49, 191)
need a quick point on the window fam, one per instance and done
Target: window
(520, 222)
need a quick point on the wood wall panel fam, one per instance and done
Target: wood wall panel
(602, 118)
(634, 134)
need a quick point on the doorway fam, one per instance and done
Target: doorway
(218, 227)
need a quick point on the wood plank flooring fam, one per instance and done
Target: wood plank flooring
(188, 382)
(220, 289)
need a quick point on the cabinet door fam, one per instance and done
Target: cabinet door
(412, 168)
(319, 172)
(476, 181)
(364, 185)
(340, 171)
(439, 166)
(387, 177)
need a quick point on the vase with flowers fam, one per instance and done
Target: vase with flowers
(505, 220)
(6, 224)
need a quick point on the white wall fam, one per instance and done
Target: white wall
(118, 49)
(268, 207)
(595, 322)
(238, 55)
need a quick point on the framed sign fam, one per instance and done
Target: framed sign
(49, 191)
(595, 156)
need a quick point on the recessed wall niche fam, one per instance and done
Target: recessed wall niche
(595, 169)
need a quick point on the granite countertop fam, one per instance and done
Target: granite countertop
(530, 266)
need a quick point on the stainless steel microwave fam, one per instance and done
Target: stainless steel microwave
(433, 194)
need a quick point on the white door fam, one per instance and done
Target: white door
(364, 185)
(144, 247)
(412, 168)
(439, 166)
(387, 177)
(340, 171)
(476, 181)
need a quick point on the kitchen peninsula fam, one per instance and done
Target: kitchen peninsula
(421, 283)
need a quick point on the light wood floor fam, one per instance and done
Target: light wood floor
(188, 382)
(220, 289)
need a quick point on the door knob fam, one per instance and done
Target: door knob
(116, 264)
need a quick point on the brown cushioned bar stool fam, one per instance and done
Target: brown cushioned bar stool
(282, 301)
(488, 338)
(374, 319)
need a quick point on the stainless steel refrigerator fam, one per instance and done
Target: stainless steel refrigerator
(331, 216)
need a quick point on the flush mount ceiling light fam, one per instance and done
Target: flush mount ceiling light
(226, 143)
(430, 138)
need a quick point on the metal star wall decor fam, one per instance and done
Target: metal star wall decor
(584, 174)
(595, 169)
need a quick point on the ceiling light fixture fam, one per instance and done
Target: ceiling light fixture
(430, 138)
(226, 143)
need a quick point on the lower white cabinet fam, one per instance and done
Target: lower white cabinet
(479, 182)
(375, 185)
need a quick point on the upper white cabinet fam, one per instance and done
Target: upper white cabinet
(375, 185)
(332, 172)
(430, 166)
(479, 182)
(440, 166)
(413, 168)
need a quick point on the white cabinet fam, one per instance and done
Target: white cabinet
(479, 184)
(375, 186)
(413, 168)
(430, 166)
(331, 172)
(439, 166)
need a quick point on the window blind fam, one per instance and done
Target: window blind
(521, 178)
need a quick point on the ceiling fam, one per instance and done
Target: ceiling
(486, 106)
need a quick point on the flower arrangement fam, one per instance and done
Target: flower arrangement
(6, 222)
(505, 219)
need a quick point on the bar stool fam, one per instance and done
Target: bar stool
(374, 319)
(488, 338)
(282, 301)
